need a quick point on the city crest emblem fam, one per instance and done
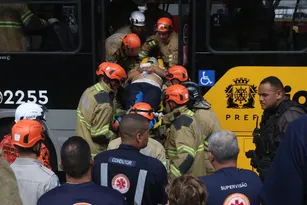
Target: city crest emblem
(241, 95)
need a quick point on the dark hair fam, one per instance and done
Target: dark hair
(76, 156)
(30, 150)
(132, 124)
(274, 82)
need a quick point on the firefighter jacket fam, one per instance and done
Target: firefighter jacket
(153, 149)
(209, 122)
(13, 19)
(115, 53)
(95, 115)
(9, 193)
(209, 125)
(168, 50)
(124, 30)
(184, 145)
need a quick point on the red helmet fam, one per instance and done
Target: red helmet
(132, 40)
(102, 67)
(112, 70)
(177, 72)
(143, 109)
(25, 133)
(164, 24)
(177, 93)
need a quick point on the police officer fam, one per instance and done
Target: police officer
(140, 178)
(166, 39)
(123, 50)
(203, 114)
(184, 145)
(31, 111)
(76, 161)
(137, 25)
(33, 178)
(153, 148)
(279, 111)
(13, 18)
(96, 108)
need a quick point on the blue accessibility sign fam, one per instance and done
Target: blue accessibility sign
(206, 78)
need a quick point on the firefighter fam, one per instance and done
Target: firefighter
(33, 178)
(26, 111)
(96, 107)
(154, 148)
(176, 74)
(123, 50)
(203, 112)
(166, 39)
(139, 178)
(184, 145)
(205, 116)
(146, 83)
(137, 25)
(13, 19)
(152, 14)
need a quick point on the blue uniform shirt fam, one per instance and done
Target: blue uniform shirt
(85, 193)
(141, 179)
(287, 179)
(232, 186)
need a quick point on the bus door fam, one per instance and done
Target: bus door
(117, 14)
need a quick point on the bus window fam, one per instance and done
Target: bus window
(39, 27)
(256, 25)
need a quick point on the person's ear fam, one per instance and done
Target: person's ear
(92, 161)
(279, 94)
(138, 137)
(211, 157)
(61, 165)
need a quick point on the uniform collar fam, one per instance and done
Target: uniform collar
(130, 147)
(177, 112)
(170, 37)
(227, 169)
(26, 161)
(106, 87)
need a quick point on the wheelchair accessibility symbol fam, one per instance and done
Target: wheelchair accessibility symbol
(206, 78)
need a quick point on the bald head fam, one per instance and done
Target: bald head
(131, 125)
(224, 146)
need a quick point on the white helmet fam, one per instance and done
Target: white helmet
(137, 18)
(29, 110)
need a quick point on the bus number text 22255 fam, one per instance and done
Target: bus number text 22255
(9, 97)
